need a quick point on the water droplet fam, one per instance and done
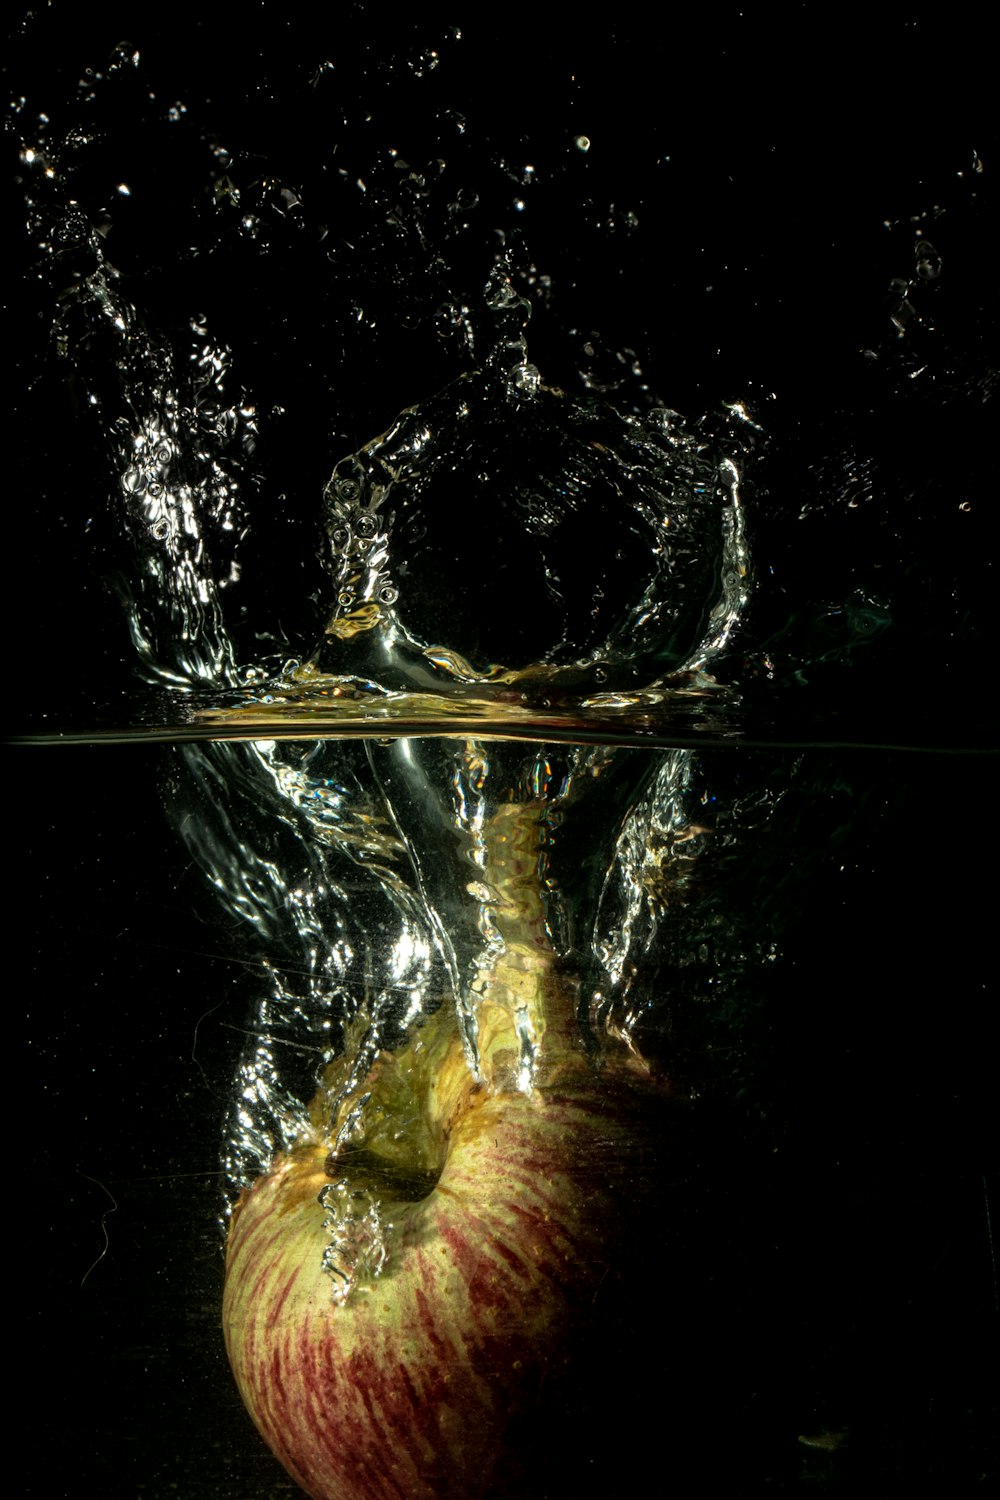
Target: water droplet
(423, 63)
(500, 293)
(466, 199)
(928, 261)
(125, 55)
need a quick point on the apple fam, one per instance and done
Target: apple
(421, 1296)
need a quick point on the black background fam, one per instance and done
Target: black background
(827, 1246)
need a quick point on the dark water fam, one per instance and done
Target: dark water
(826, 1226)
(743, 227)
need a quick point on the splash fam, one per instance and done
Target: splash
(538, 548)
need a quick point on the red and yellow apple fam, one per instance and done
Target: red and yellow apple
(434, 1320)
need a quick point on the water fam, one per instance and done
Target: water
(781, 483)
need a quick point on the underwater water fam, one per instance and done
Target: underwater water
(683, 387)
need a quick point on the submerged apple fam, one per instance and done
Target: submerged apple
(423, 1297)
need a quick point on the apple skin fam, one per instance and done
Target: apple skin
(511, 1203)
(418, 1384)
